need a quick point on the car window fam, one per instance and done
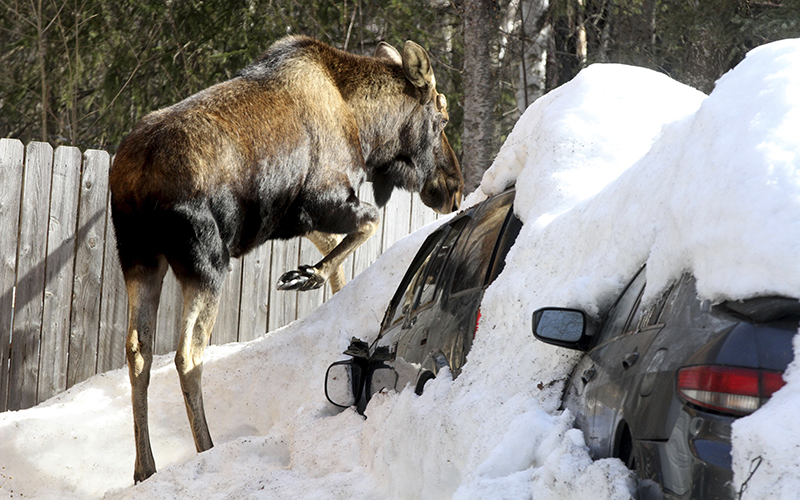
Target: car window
(434, 269)
(619, 315)
(512, 228)
(647, 313)
(474, 252)
(402, 305)
(671, 298)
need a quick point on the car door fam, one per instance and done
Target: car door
(413, 343)
(600, 369)
(393, 344)
(621, 359)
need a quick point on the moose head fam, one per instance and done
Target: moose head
(421, 158)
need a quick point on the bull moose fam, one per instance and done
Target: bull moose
(276, 152)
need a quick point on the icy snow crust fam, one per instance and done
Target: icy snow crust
(619, 167)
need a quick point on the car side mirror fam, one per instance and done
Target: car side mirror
(568, 328)
(382, 377)
(343, 383)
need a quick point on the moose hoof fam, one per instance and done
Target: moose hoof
(302, 279)
(139, 476)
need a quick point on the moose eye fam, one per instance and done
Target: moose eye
(442, 123)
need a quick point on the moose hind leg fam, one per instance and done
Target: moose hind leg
(143, 284)
(200, 261)
(200, 305)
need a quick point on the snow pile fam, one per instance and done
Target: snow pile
(619, 167)
(579, 137)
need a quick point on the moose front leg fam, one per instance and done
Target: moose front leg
(330, 267)
(325, 243)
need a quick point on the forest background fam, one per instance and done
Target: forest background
(83, 72)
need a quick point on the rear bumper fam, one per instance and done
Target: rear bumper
(694, 463)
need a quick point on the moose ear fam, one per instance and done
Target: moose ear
(417, 65)
(386, 51)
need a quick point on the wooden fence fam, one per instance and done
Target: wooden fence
(63, 307)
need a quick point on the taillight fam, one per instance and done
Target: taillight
(477, 321)
(740, 391)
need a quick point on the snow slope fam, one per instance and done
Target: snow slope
(618, 167)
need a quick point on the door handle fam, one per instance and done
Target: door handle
(588, 375)
(424, 339)
(630, 359)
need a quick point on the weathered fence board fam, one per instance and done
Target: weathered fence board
(113, 306)
(168, 322)
(59, 272)
(420, 214)
(11, 157)
(256, 283)
(369, 252)
(63, 308)
(282, 305)
(310, 300)
(85, 319)
(226, 327)
(27, 323)
(396, 218)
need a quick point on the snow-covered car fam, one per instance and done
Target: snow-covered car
(431, 320)
(661, 381)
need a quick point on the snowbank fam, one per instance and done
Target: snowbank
(619, 167)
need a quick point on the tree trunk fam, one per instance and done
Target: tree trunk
(568, 44)
(534, 36)
(39, 12)
(480, 90)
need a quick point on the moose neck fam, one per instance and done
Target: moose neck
(380, 125)
(381, 100)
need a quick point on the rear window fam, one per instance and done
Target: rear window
(765, 309)
(475, 252)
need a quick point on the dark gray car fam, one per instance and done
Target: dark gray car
(662, 381)
(431, 320)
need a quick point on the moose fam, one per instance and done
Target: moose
(276, 152)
